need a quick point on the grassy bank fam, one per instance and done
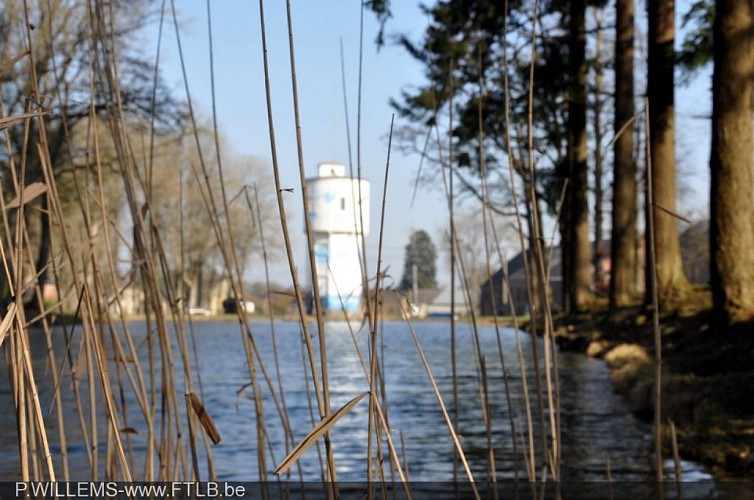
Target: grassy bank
(708, 377)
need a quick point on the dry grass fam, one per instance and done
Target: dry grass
(87, 274)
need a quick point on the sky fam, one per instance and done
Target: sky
(318, 29)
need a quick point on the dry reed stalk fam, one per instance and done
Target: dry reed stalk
(31, 386)
(393, 452)
(356, 194)
(92, 397)
(486, 224)
(98, 23)
(19, 386)
(492, 471)
(609, 475)
(250, 349)
(237, 289)
(319, 313)
(62, 433)
(405, 457)
(373, 399)
(120, 365)
(531, 469)
(180, 335)
(284, 222)
(348, 324)
(57, 396)
(365, 271)
(289, 441)
(479, 359)
(657, 423)
(105, 385)
(452, 226)
(534, 209)
(16, 257)
(56, 210)
(36, 462)
(457, 264)
(676, 459)
(440, 401)
(139, 385)
(119, 137)
(80, 410)
(307, 385)
(7, 322)
(13, 353)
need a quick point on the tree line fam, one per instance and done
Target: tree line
(525, 86)
(56, 71)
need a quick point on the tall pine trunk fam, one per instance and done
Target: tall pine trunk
(599, 251)
(623, 236)
(731, 208)
(577, 264)
(671, 282)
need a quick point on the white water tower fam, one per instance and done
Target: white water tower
(336, 218)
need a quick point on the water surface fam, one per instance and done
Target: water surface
(595, 423)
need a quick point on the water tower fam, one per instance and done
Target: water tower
(336, 226)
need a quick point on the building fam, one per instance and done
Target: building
(338, 205)
(695, 252)
(694, 255)
(516, 297)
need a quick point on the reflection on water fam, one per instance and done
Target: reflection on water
(595, 422)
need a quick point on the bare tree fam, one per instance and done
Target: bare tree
(183, 211)
(48, 68)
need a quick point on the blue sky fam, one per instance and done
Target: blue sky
(241, 107)
(319, 26)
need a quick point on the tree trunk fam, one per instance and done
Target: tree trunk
(598, 250)
(671, 282)
(731, 208)
(578, 245)
(623, 236)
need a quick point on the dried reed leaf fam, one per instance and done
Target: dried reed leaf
(121, 359)
(319, 430)
(204, 418)
(10, 120)
(8, 64)
(30, 192)
(7, 321)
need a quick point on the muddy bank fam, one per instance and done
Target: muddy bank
(708, 379)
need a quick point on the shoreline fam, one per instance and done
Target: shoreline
(707, 380)
(707, 377)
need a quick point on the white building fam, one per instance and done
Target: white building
(336, 220)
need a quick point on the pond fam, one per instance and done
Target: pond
(596, 424)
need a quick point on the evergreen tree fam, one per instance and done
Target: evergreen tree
(624, 216)
(576, 249)
(671, 282)
(731, 210)
(420, 252)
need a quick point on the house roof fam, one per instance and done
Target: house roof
(443, 298)
(516, 267)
